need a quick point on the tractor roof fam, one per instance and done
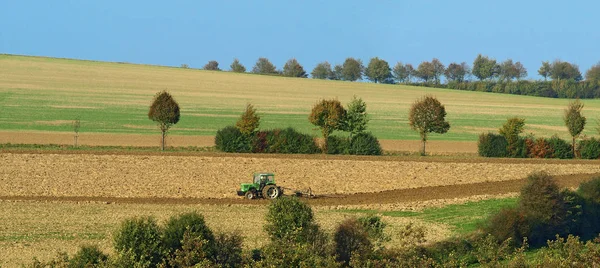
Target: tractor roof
(264, 173)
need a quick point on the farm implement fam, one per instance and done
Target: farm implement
(264, 186)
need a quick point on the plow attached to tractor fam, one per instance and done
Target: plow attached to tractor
(264, 186)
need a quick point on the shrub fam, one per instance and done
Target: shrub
(231, 140)
(365, 143)
(560, 148)
(508, 223)
(191, 253)
(351, 239)
(284, 254)
(338, 145)
(138, 240)
(229, 250)
(590, 190)
(191, 223)
(88, 256)
(291, 220)
(589, 149)
(492, 145)
(539, 148)
(284, 141)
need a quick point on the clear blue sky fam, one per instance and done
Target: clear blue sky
(194, 32)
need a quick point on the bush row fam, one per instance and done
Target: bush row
(289, 141)
(495, 145)
(552, 89)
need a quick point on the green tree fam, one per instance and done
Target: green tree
(378, 70)
(237, 67)
(427, 115)
(457, 72)
(338, 72)
(264, 66)
(164, 110)
(249, 121)
(291, 220)
(484, 68)
(507, 70)
(403, 72)
(438, 70)
(212, 65)
(520, 70)
(574, 120)
(545, 70)
(328, 116)
(352, 69)
(425, 71)
(191, 223)
(138, 240)
(322, 71)
(356, 118)
(293, 69)
(511, 130)
(593, 74)
(562, 70)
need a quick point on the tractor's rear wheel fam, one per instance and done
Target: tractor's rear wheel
(271, 192)
(250, 194)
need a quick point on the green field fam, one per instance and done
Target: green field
(46, 94)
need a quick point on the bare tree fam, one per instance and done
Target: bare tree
(76, 126)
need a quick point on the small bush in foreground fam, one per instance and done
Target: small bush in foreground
(138, 241)
(88, 256)
(191, 223)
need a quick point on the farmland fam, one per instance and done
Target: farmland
(58, 199)
(45, 95)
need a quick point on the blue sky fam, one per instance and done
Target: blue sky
(194, 32)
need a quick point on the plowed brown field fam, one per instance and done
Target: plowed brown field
(192, 177)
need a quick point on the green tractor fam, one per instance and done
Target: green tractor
(263, 186)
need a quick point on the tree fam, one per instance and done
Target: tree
(249, 121)
(356, 118)
(212, 65)
(457, 72)
(293, 69)
(322, 71)
(593, 74)
(427, 115)
(425, 71)
(352, 69)
(511, 130)
(288, 219)
(237, 67)
(337, 73)
(327, 115)
(438, 70)
(562, 70)
(264, 66)
(164, 110)
(520, 70)
(574, 120)
(402, 73)
(378, 70)
(484, 68)
(545, 70)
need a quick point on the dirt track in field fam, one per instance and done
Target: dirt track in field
(213, 178)
(104, 139)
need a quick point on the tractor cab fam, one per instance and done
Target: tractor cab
(263, 185)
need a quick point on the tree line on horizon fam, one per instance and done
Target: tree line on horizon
(483, 69)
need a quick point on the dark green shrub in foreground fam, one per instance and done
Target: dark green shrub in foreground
(338, 145)
(351, 239)
(590, 149)
(365, 143)
(290, 219)
(590, 190)
(228, 249)
(192, 223)
(138, 242)
(231, 140)
(88, 256)
(492, 145)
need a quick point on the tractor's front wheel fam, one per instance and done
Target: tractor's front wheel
(271, 192)
(250, 194)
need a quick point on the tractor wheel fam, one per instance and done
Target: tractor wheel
(251, 194)
(270, 192)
